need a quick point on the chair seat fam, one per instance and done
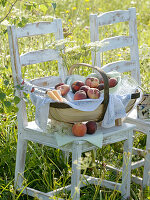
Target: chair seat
(106, 131)
(142, 125)
(110, 135)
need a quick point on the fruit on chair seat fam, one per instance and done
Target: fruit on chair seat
(79, 129)
(91, 127)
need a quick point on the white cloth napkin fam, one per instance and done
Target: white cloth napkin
(96, 139)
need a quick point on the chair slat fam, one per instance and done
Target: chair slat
(34, 57)
(120, 66)
(38, 28)
(113, 17)
(49, 81)
(116, 42)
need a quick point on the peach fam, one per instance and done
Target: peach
(92, 82)
(58, 85)
(64, 89)
(97, 75)
(91, 127)
(81, 94)
(93, 93)
(76, 86)
(79, 129)
(112, 82)
(100, 86)
(85, 88)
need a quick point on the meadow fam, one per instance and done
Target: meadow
(45, 167)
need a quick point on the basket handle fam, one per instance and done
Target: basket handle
(106, 85)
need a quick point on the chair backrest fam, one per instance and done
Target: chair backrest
(131, 41)
(32, 57)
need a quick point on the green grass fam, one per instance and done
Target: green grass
(45, 167)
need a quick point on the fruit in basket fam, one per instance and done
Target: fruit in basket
(92, 82)
(64, 89)
(100, 86)
(101, 81)
(91, 127)
(76, 86)
(112, 82)
(81, 94)
(97, 75)
(85, 88)
(93, 93)
(59, 84)
(79, 129)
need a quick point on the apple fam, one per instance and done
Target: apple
(112, 82)
(64, 89)
(58, 85)
(101, 81)
(92, 82)
(100, 86)
(79, 129)
(81, 94)
(97, 75)
(93, 93)
(76, 86)
(91, 127)
(85, 88)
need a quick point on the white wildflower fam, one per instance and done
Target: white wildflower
(96, 45)
(59, 127)
(67, 50)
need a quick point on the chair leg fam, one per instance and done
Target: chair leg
(126, 169)
(76, 171)
(66, 156)
(20, 161)
(146, 173)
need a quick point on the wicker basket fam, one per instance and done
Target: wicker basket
(64, 113)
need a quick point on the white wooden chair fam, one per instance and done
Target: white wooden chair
(29, 131)
(131, 41)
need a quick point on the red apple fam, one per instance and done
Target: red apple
(100, 86)
(112, 82)
(93, 93)
(85, 88)
(79, 129)
(101, 81)
(81, 94)
(92, 82)
(64, 89)
(76, 86)
(91, 127)
(58, 85)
